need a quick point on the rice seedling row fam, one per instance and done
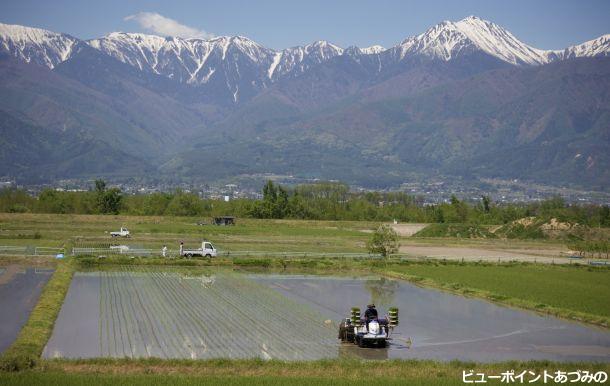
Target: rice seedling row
(169, 315)
(258, 337)
(182, 326)
(286, 325)
(161, 324)
(270, 306)
(147, 293)
(141, 347)
(212, 339)
(220, 335)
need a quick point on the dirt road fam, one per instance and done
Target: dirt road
(472, 253)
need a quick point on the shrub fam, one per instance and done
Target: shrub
(383, 241)
(17, 362)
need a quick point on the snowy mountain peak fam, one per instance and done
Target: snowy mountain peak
(591, 48)
(448, 40)
(472, 17)
(295, 60)
(240, 67)
(324, 47)
(375, 49)
(36, 45)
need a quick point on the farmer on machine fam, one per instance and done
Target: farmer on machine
(370, 314)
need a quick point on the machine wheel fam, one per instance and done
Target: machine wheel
(361, 343)
(189, 255)
(208, 256)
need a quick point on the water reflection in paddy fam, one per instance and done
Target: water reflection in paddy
(438, 325)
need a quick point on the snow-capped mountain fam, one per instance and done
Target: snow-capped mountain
(35, 45)
(591, 48)
(232, 60)
(237, 67)
(375, 49)
(299, 59)
(196, 60)
(449, 40)
(130, 104)
(193, 61)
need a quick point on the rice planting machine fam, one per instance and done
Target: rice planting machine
(368, 331)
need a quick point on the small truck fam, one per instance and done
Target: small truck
(124, 232)
(206, 250)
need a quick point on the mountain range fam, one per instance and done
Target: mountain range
(464, 99)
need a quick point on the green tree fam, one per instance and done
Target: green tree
(100, 186)
(604, 216)
(156, 203)
(275, 204)
(51, 201)
(108, 200)
(15, 200)
(281, 204)
(486, 201)
(184, 204)
(384, 241)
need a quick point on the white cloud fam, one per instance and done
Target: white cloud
(161, 25)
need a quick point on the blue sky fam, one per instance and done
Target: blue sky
(279, 24)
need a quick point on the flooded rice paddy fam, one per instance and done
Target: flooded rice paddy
(173, 314)
(20, 288)
(438, 325)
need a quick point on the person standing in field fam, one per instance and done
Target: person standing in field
(181, 247)
(164, 251)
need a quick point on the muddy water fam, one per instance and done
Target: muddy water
(78, 324)
(437, 325)
(19, 291)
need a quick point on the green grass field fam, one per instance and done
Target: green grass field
(153, 232)
(576, 288)
(61, 379)
(257, 372)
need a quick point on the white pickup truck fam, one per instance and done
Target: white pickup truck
(124, 232)
(207, 250)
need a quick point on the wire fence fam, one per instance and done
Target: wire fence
(30, 250)
(140, 251)
(117, 251)
(299, 254)
(113, 251)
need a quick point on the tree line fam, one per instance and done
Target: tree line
(318, 201)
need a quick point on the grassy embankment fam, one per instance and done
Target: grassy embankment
(258, 372)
